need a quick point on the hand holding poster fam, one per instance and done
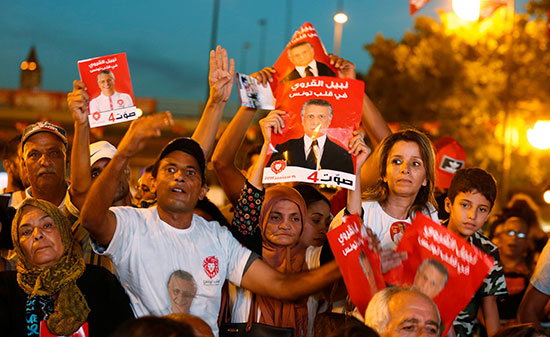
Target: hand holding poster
(360, 266)
(440, 262)
(252, 94)
(322, 113)
(109, 87)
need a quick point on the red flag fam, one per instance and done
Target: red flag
(488, 7)
(416, 5)
(548, 23)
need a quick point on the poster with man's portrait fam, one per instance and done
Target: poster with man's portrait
(322, 113)
(108, 84)
(304, 56)
(438, 263)
(359, 265)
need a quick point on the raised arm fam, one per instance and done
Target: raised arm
(220, 79)
(263, 280)
(96, 216)
(361, 151)
(81, 178)
(229, 176)
(272, 123)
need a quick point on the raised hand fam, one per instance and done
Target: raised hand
(220, 77)
(264, 76)
(272, 123)
(142, 129)
(358, 148)
(77, 101)
(346, 69)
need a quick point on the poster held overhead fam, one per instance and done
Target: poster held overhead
(322, 113)
(108, 84)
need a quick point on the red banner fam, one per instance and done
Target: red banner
(360, 266)
(440, 262)
(416, 5)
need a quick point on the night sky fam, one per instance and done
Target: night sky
(168, 41)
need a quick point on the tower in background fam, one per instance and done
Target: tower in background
(31, 72)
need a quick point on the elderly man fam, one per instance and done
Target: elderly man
(314, 150)
(397, 311)
(109, 99)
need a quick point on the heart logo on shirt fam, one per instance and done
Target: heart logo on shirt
(96, 115)
(278, 166)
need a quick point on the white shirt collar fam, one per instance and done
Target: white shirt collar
(302, 70)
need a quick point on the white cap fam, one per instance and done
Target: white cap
(100, 150)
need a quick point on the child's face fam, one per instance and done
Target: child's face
(468, 213)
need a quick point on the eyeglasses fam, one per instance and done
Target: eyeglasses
(518, 235)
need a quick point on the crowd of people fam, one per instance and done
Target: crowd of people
(85, 254)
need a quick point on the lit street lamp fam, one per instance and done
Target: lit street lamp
(538, 136)
(467, 10)
(339, 20)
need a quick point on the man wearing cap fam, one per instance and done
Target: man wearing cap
(147, 245)
(44, 153)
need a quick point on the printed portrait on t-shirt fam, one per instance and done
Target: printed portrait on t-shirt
(182, 289)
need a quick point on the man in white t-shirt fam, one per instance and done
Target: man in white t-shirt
(147, 245)
(109, 99)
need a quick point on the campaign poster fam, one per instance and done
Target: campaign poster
(360, 266)
(322, 113)
(254, 95)
(108, 84)
(439, 263)
(303, 56)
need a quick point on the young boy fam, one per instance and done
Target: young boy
(469, 202)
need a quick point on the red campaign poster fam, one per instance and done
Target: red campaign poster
(108, 83)
(360, 266)
(303, 56)
(322, 113)
(440, 262)
(81, 332)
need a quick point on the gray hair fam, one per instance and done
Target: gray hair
(378, 315)
(106, 72)
(318, 102)
(182, 274)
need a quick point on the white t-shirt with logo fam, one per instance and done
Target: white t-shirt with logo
(388, 229)
(145, 251)
(104, 103)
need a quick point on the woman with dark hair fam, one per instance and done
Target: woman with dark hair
(53, 288)
(318, 215)
(405, 185)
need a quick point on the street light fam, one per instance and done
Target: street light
(546, 195)
(339, 20)
(538, 136)
(467, 10)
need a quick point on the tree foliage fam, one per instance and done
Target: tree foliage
(468, 76)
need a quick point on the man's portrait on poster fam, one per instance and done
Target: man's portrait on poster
(314, 150)
(109, 99)
(302, 56)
